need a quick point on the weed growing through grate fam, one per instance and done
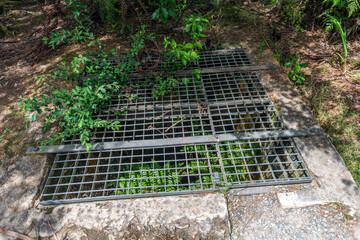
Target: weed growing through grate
(148, 177)
(237, 156)
(173, 169)
(97, 78)
(190, 171)
(198, 167)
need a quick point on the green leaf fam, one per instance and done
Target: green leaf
(88, 146)
(172, 13)
(173, 43)
(184, 62)
(165, 13)
(198, 44)
(189, 46)
(194, 55)
(156, 14)
(177, 53)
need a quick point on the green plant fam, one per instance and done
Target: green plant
(145, 175)
(331, 22)
(72, 110)
(292, 13)
(187, 52)
(96, 79)
(165, 8)
(352, 6)
(195, 25)
(107, 10)
(295, 73)
(81, 32)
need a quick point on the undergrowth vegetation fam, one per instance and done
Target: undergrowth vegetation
(95, 76)
(338, 20)
(173, 31)
(336, 16)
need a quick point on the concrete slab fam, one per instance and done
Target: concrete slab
(190, 217)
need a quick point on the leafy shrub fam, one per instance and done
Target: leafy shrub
(97, 79)
(295, 73)
(72, 110)
(165, 9)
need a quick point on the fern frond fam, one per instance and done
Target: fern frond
(353, 7)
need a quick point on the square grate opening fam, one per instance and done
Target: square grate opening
(189, 122)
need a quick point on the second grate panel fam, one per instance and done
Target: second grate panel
(104, 175)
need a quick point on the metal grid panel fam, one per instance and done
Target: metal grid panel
(235, 86)
(231, 102)
(208, 59)
(222, 59)
(117, 174)
(104, 175)
(262, 161)
(218, 103)
(242, 118)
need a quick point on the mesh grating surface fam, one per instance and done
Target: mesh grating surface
(217, 103)
(208, 59)
(232, 102)
(98, 175)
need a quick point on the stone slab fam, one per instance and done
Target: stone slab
(190, 217)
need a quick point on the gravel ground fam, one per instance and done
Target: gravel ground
(261, 217)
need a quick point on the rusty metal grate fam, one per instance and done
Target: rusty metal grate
(216, 132)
